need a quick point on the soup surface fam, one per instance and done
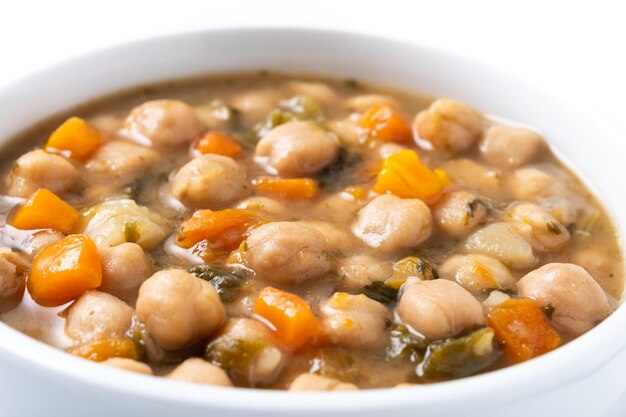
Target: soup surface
(265, 231)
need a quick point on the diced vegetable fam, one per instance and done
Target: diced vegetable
(44, 210)
(459, 357)
(300, 107)
(103, 349)
(293, 188)
(219, 143)
(227, 282)
(224, 230)
(404, 175)
(77, 137)
(385, 123)
(295, 324)
(405, 345)
(334, 362)
(117, 221)
(381, 292)
(341, 173)
(234, 355)
(501, 241)
(523, 329)
(411, 266)
(64, 270)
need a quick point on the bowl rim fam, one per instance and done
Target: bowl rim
(496, 387)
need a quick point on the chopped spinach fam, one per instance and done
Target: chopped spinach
(406, 346)
(296, 108)
(227, 282)
(233, 355)
(381, 292)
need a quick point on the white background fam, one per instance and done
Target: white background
(578, 46)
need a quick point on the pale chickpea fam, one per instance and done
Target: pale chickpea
(119, 162)
(530, 184)
(298, 149)
(129, 365)
(313, 382)
(538, 227)
(389, 223)
(438, 309)
(264, 205)
(284, 252)
(210, 181)
(179, 309)
(13, 270)
(509, 147)
(364, 102)
(39, 169)
(163, 123)
(254, 105)
(320, 92)
(96, 314)
(354, 321)
(357, 271)
(199, 371)
(475, 177)
(477, 273)
(449, 125)
(124, 268)
(577, 301)
(459, 212)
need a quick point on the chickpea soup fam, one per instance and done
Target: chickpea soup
(265, 231)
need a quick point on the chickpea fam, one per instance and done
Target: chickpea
(578, 302)
(438, 309)
(364, 102)
(449, 125)
(338, 237)
(475, 177)
(124, 268)
(538, 227)
(459, 212)
(347, 129)
(118, 162)
(357, 271)
(39, 169)
(339, 207)
(598, 262)
(477, 273)
(129, 365)
(13, 269)
(264, 205)
(199, 371)
(531, 183)
(210, 181)
(256, 104)
(285, 252)
(179, 309)
(97, 314)
(509, 147)
(313, 382)
(389, 223)
(318, 91)
(354, 321)
(298, 149)
(163, 123)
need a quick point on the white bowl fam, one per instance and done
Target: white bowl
(582, 378)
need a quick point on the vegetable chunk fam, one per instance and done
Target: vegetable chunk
(523, 329)
(385, 123)
(224, 229)
(45, 210)
(292, 188)
(218, 143)
(64, 270)
(76, 137)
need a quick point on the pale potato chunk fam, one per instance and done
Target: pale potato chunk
(502, 242)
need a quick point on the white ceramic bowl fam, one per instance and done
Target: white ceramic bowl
(582, 378)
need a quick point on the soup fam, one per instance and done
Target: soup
(265, 231)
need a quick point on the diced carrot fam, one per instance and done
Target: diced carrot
(224, 229)
(44, 210)
(218, 143)
(404, 175)
(385, 123)
(294, 188)
(523, 329)
(77, 137)
(294, 323)
(103, 349)
(63, 270)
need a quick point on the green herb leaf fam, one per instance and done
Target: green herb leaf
(381, 292)
(227, 282)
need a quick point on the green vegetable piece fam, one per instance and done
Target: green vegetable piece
(334, 362)
(341, 173)
(459, 357)
(405, 345)
(233, 355)
(293, 109)
(227, 282)
(381, 292)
